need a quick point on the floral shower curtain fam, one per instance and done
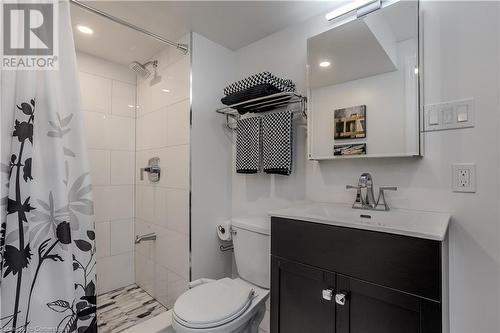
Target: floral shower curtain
(48, 281)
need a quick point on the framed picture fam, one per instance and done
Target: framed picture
(350, 123)
(349, 149)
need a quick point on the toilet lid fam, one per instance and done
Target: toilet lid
(212, 304)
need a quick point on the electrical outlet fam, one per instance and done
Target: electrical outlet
(464, 177)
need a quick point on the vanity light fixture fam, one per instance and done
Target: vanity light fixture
(347, 8)
(85, 30)
(130, 106)
(166, 90)
(416, 70)
(324, 64)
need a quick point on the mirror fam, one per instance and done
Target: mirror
(363, 86)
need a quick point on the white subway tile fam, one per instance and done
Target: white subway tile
(102, 237)
(143, 97)
(115, 272)
(152, 130)
(99, 166)
(95, 92)
(172, 250)
(174, 86)
(177, 203)
(178, 123)
(122, 236)
(145, 203)
(175, 160)
(122, 167)
(123, 99)
(177, 285)
(109, 132)
(113, 202)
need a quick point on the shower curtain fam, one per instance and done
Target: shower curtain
(48, 281)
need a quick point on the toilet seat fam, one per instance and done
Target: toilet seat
(213, 304)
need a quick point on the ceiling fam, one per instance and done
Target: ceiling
(233, 24)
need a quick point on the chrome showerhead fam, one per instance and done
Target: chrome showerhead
(140, 69)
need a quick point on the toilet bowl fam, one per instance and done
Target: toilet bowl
(231, 305)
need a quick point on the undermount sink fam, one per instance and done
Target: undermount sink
(421, 224)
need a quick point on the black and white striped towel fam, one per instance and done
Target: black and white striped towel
(248, 145)
(277, 142)
(260, 78)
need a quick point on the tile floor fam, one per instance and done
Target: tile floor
(122, 308)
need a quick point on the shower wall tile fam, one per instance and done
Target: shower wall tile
(113, 202)
(176, 161)
(174, 86)
(176, 286)
(174, 249)
(122, 166)
(163, 130)
(177, 207)
(102, 239)
(178, 123)
(100, 164)
(109, 132)
(145, 203)
(143, 98)
(161, 284)
(151, 130)
(95, 92)
(121, 236)
(115, 271)
(118, 72)
(123, 99)
(146, 249)
(107, 91)
(145, 274)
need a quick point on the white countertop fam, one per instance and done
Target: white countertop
(421, 224)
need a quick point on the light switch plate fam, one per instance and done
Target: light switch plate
(449, 115)
(464, 177)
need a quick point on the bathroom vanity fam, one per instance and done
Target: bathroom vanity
(338, 269)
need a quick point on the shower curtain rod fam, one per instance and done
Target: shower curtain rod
(182, 47)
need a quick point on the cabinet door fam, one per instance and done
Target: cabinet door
(298, 304)
(375, 309)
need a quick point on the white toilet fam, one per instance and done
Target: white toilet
(231, 305)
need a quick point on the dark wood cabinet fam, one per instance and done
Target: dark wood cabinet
(391, 283)
(299, 287)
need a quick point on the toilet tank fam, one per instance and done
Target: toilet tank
(252, 249)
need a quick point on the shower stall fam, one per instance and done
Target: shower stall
(137, 114)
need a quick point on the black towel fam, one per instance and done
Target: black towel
(248, 145)
(260, 90)
(260, 78)
(257, 91)
(277, 142)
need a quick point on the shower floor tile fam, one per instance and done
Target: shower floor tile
(122, 308)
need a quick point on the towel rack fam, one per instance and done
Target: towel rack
(275, 101)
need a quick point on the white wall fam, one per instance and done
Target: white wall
(461, 60)
(212, 69)
(107, 90)
(162, 266)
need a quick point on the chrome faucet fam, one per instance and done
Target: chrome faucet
(365, 198)
(146, 237)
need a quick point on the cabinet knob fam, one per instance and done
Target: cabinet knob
(327, 294)
(340, 298)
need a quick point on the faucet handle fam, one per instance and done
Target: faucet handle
(359, 197)
(381, 196)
